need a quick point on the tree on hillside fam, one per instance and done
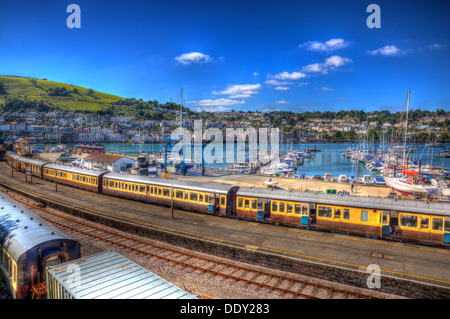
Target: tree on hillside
(2, 89)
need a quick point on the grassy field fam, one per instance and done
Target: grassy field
(38, 89)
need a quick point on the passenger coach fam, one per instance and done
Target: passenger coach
(201, 197)
(74, 176)
(379, 217)
(28, 244)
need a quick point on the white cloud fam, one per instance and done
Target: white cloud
(276, 83)
(324, 88)
(435, 46)
(327, 46)
(281, 88)
(315, 67)
(336, 61)
(281, 102)
(289, 76)
(213, 109)
(193, 57)
(327, 65)
(255, 73)
(235, 91)
(217, 102)
(388, 50)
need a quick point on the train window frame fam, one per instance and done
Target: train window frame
(325, 212)
(240, 202)
(274, 206)
(305, 209)
(193, 196)
(246, 203)
(200, 197)
(409, 221)
(346, 214)
(446, 224)
(166, 192)
(254, 204)
(364, 215)
(223, 200)
(260, 204)
(179, 194)
(281, 207)
(437, 226)
(424, 225)
(337, 213)
(289, 211)
(298, 209)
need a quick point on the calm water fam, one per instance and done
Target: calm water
(328, 160)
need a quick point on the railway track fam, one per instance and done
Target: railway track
(286, 286)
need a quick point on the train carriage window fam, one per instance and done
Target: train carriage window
(200, 198)
(222, 200)
(193, 196)
(305, 209)
(289, 208)
(247, 203)
(240, 202)
(447, 224)
(298, 208)
(424, 223)
(260, 203)
(254, 204)
(437, 224)
(179, 194)
(364, 216)
(166, 192)
(337, 213)
(159, 191)
(142, 188)
(325, 212)
(281, 207)
(274, 206)
(408, 221)
(346, 214)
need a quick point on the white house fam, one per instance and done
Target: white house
(112, 162)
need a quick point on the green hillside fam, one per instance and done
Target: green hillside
(54, 94)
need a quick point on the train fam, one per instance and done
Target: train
(28, 244)
(385, 218)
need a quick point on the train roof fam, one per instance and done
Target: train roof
(33, 161)
(21, 229)
(12, 154)
(414, 206)
(189, 185)
(76, 170)
(109, 275)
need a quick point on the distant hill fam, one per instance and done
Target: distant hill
(55, 94)
(22, 94)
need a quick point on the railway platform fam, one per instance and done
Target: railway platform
(403, 269)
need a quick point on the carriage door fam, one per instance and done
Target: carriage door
(312, 213)
(447, 230)
(267, 206)
(52, 260)
(385, 229)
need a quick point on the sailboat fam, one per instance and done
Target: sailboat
(411, 182)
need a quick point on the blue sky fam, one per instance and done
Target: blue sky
(243, 55)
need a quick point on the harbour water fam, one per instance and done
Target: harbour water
(328, 160)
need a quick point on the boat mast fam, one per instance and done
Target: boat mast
(406, 129)
(181, 110)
